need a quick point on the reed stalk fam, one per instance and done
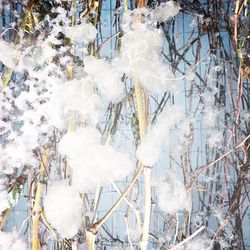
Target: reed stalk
(36, 210)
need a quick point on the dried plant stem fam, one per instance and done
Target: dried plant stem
(177, 228)
(141, 109)
(52, 231)
(4, 218)
(202, 169)
(128, 233)
(236, 11)
(188, 238)
(90, 237)
(147, 208)
(136, 211)
(147, 171)
(90, 240)
(36, 216)
(73, 19)
(97, 198)
(99, 223)
(37, 203)
(7, 77)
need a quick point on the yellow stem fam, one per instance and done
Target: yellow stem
(5, 216)
(142, 117)
(7, 77)
(37, 203)
(98, 224)
(52, 231)
(237, 5)
(125, 5)
(73, 20)
(90, 240)
(140, 109)
(147, 208)
(36, 215)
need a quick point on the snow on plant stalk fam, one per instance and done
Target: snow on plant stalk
(141, 58)
(142, 116)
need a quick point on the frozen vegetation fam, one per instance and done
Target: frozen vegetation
(76, 122)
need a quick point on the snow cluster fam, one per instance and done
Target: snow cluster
(84, 32)
(150, 148)
(8, 54)
(11, 157)
(63, 209)
(91, 161)
(106, 76)
(14, 141)
(166, 11)
(198, 243)
(140, 56)
(4, 203)
(210, 118)
(11, 241)
(171, 193)
(46, 101)
(214, 138)
(211, 108)
(75, 97)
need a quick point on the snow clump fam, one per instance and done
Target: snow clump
(92, 162)
(63, 206)
(11, 241)
(150, 148)
(166, 11)
(140, 56)
(171, 194)
(84, 32)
